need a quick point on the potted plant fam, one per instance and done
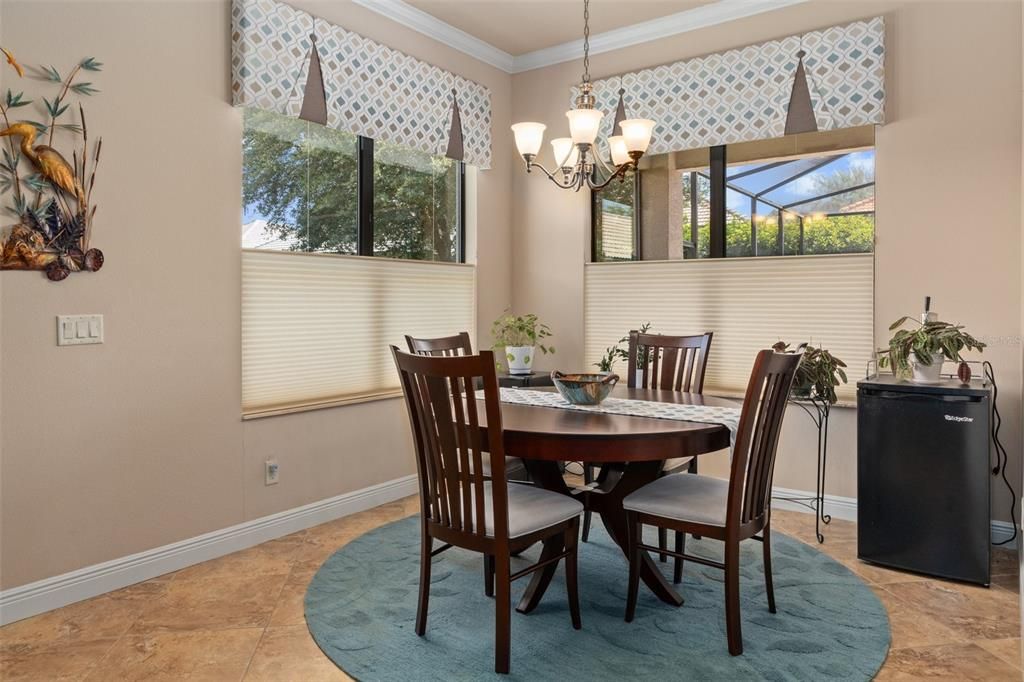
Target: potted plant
(607, 361)
(919, 352)
(642, 354)
(519, 337)
(818, 374)
(617, 352)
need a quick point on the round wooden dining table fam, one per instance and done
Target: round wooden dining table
(630, 450)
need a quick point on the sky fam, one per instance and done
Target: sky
(801, 188)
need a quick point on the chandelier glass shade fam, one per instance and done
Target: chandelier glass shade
(579, 159)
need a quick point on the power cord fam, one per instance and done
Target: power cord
(1001, 455)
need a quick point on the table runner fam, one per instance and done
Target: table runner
(728, 417)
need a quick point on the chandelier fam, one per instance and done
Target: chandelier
(579, 159)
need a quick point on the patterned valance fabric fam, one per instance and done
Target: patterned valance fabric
(371, 89)
(742, 94)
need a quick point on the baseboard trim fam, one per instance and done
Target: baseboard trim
(838, 507)
(51, 593)
(1003, 531)
(846, 508)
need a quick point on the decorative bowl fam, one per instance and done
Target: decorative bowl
(584, 389)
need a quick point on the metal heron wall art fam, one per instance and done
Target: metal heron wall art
(49, 195)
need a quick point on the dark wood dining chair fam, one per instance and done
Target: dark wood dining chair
(453, 346)
(670, 363)
(730, 511)
(459, 507)
(515, 470)
(447, 346)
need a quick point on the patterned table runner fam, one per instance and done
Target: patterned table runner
(728, 417)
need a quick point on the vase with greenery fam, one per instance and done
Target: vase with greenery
(918, 352)
(818, 375)
(519, 337)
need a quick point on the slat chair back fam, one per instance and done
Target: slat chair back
(442, 406)
(757, 437)
(672, 363)
(448, 346)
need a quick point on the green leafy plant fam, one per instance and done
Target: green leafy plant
(617, 352)
(520, 330)
(924, 341)
(643, 353)
(607, 361)
(818, 375)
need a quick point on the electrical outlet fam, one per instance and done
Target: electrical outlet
(272, 472)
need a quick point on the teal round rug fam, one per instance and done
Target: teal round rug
(361, 607)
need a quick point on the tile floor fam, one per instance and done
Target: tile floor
(240, 617)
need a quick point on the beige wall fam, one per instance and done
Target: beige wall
(948, 193)
(113, 449)
(109, 450)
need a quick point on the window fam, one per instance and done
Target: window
(818, 199)
(308, 188)
(317, 319)
(417, 202)
(759, 242)
(818, 204)
(614, 213)
(749, 303)
(695, 207)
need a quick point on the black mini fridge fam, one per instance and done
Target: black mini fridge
(923, 477)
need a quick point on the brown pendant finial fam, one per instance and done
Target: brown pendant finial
(314, 97)
(456, 149)
(800, 115)
(620, 113)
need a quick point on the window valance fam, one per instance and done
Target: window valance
(742, 95)
(369, 88)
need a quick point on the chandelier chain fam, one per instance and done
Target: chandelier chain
(586, 41)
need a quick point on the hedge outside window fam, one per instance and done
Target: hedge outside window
(810, 204)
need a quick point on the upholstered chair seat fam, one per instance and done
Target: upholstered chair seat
(529, 509)
(683, 497)
(515, 470)
(677, 465)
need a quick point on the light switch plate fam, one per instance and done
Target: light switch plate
(76, 330)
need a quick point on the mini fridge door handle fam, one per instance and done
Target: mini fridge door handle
(921, 397)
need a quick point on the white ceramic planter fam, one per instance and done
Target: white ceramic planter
(520, 359)
(639, 378)
(927, 374)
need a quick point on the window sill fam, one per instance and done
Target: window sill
(295, 408)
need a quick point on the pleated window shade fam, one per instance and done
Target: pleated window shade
(749, 304)
(316, 327)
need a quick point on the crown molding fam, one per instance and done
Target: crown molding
(691, 20)
(715, 13)
(432, 27)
